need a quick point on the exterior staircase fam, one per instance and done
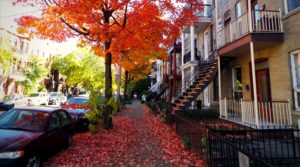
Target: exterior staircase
(194, 84)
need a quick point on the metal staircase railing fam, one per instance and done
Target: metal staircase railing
(189, 78)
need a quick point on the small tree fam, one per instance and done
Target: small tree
(34, 74)
(6, 58)
(81, 68)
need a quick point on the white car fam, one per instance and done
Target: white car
(38, 98)
(12, 101)
(57, 98)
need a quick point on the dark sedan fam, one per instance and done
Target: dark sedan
(77, 108)
(27, 135)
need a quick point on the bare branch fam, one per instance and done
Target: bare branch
(116, 22)
(125, 16)
(74, 28)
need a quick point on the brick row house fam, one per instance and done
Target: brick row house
(242, 56)
(19, 45)
(23, 49)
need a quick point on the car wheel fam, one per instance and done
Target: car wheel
(33, 161)
(69, 141)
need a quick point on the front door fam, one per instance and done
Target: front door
(263, 85)
(264, 94)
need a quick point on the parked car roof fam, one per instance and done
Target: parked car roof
(45, 109)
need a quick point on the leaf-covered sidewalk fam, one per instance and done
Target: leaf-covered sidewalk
(137, 139)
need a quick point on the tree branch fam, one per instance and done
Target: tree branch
(74, 28)
(125, 16)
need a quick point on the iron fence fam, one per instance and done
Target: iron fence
(224, 144)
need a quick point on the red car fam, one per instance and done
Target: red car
(28, 135)
(77, 108)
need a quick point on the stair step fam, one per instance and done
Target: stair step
(176, 110)
(179, 105)
(188, 97)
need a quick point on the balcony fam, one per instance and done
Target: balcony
(267, 30)
(203, 21)
(187, 56)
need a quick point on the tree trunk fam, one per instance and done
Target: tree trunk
(107, 113)
(2, 93)
(125, 86)
(119, 82)
(107, 120)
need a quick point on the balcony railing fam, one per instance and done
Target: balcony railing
(188, 57)
(268, 21)
(269, 113)
(206, 11)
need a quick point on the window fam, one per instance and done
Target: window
(238, 9)
(292, 4)
(211, 38)
(22, 45)
(54, 121)
(237, 85)
(64, 118)
(216, 88)
(295, 63)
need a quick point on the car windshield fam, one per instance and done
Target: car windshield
(77, 100)
(53, 94)
(23, 120)
(34, 95)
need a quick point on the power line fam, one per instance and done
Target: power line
(17, 14)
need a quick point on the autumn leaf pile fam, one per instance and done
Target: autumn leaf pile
(137, 139)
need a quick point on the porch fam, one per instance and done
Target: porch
(270, 114)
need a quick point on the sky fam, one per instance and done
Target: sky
(8, 14)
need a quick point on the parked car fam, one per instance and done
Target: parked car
(38, 98)
(29, 134)
(77, 108)
(12, 101)
(83, 93)
(57, 98)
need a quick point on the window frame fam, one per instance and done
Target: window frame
(286, 7)
(233, 77)
(238, 3)
(295, 90)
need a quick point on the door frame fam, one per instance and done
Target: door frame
(268, 81)
(251, 79)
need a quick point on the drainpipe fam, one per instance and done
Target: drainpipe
(253, 66)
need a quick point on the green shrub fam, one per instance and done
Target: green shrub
(187, 144)
(165, 111)
(95, 114)
(200, 114)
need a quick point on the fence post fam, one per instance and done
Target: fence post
(289, 113)
(242, 110)
(281, 27)
(225, 107)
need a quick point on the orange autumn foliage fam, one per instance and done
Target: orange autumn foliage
(138, 31)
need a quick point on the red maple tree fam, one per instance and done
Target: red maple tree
(126, 32)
